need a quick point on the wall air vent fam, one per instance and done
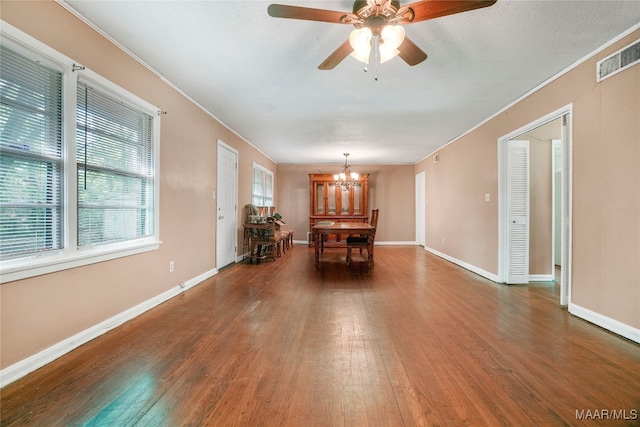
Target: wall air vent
(622, 59)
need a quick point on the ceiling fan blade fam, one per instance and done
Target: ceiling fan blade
(429, 9)
(336, 57)
(410, 53)
(310, 14)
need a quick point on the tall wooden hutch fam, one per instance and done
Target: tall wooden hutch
(331, 203)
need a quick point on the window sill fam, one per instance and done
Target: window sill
(13, 270)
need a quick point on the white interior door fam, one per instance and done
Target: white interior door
(420, 209)
(227, 213)
(518, 211)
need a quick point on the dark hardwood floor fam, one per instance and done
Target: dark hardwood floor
(415, 341)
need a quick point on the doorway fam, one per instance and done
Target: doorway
(527, 249)
(227, 202)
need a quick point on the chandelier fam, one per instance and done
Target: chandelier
(347, 179)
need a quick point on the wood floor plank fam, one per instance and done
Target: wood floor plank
(415, 341)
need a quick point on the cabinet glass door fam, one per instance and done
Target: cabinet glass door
(345, 201)
(319, 199)
(332, 198)
(357, 199)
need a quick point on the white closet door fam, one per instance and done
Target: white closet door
(518, 211)
(227, 201)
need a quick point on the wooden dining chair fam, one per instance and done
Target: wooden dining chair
(364, 242)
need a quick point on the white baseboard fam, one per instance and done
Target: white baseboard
(38, 360)
(541, 278)
(472, 268)
(605, 322)
(394, 243)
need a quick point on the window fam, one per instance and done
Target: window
(115, 165)
(31, 132)
(262, 193)
(78, 164)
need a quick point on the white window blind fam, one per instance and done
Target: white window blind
(258, 186)
(114, 153)
(262, 194)
(31, 132)
(268, 189)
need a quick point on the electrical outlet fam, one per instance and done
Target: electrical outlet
(171, 266)
(443, 242)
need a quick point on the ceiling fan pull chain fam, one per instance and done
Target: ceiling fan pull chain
(377, 62)
(375, 54)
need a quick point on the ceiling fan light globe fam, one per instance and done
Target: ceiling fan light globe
(360, 38)
(387, 52)
(393, 35)
(362, 55)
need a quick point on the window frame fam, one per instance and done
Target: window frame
(71, 255)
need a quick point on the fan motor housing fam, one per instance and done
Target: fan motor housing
(359, 6)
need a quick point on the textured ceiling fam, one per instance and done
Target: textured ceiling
(259, 76)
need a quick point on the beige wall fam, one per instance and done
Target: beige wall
(459, 222)
(606, 194)
(391, 189)
(606, 186)
(41, 311)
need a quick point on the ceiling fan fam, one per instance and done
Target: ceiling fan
(379, 34)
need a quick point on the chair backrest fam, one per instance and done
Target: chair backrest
(374, 222)
(374, 217)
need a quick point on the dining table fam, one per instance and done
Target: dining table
(341, 228)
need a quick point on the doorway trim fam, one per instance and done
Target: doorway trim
(421, 240)
(565, 113)
(556, 144)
